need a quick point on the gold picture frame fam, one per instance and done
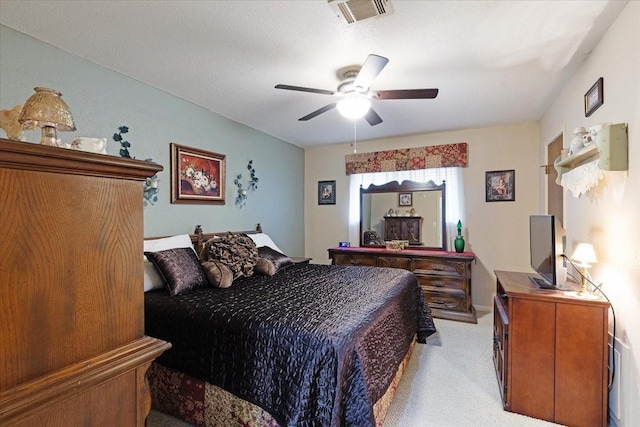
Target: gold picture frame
(197, 176)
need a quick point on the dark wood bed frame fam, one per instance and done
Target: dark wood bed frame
(199, 238)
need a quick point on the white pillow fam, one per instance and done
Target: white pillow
(152, 277)
(262, 239)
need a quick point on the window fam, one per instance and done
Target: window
(455, 197)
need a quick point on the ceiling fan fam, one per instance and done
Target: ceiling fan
(354, 89)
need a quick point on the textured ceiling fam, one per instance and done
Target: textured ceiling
(494, 62)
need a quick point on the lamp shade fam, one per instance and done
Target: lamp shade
(353, 106)
(584, 254)
(46, 108)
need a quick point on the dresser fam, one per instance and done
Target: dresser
(445, 277)
(403, 228)
(550, 352)
(72, 340)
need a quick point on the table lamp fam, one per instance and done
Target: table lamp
(585, 256)
(46, 109)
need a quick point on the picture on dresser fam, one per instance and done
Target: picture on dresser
(326, 192)
(197, 176)
(500, 186)
(405, 199)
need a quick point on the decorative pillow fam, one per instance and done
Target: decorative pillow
(237, 251)
(152, 277)
(265, 267)
(219, 274)
(278, 259)
(180, 269)
(262, 239)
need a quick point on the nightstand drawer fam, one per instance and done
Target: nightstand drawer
(440, 266)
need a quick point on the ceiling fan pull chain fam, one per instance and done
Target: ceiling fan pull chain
(354, 143)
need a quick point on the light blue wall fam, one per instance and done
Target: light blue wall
(101, 100)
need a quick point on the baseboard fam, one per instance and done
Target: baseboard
(484, 308)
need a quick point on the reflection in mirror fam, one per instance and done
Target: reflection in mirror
(411, 211)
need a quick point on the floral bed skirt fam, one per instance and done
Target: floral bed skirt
(205, 405)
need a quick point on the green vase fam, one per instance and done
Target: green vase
(458, 243)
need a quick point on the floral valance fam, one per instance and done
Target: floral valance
(435, 156)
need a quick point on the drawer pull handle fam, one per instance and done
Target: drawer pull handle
(354, 261)
(439, 303)
(437, 283)
(439, 267)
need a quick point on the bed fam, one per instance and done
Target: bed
(308, 345)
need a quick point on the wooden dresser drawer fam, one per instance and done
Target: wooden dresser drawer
(355, 259)
(433, 283)
(446, 301)
(439, 266)
(395, 262)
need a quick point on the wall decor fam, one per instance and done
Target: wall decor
(252, 185)
(405, 199)
(500, 186)
(197, 176)
(11, 125)
(149, 186)
(594, 97)
(326, 192)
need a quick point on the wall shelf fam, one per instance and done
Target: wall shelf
(610, 147)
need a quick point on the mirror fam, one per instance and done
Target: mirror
(411, 211)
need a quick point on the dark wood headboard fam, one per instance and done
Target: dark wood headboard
(198, 238)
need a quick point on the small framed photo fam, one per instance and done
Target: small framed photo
(594, 97)
(197, 176)
(405, 199)
(500, 186)
(326, 192)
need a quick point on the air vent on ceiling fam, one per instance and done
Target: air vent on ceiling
(352, 11)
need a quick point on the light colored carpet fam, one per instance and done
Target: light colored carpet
(448, 382)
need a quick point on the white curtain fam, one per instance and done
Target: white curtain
(454, 195)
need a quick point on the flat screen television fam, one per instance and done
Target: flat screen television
(546, 237)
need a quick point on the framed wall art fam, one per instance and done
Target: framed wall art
(405, 199)
(326, 192)
(594, 97)
(197, 176)
(500, 186)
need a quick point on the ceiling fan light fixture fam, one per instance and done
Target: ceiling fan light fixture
(353, 106)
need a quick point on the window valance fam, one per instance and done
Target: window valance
(435, 156)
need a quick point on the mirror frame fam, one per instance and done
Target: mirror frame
(405, 187)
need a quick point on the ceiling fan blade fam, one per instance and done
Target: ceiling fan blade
(370, 70)
(372, 117)
(318, 112)
(407, 94)
(306, 89)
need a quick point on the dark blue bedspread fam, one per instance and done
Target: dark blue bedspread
(314, 345)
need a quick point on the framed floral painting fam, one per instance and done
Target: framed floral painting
(500, 186)
(197, 176)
